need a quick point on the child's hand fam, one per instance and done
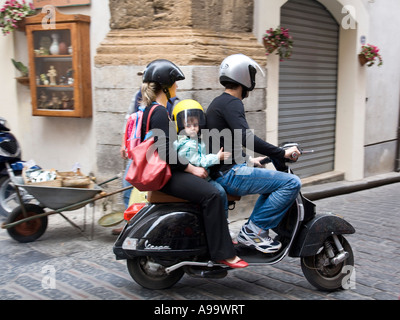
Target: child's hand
(197, 171)
(223, 155)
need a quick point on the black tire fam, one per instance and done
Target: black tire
(28, 231)
(151, 275)
(330, 277)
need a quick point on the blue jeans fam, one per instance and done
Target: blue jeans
(277, 190)
(126, 193)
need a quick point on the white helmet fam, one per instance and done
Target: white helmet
(239, 69)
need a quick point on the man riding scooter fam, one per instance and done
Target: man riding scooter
(277, 190)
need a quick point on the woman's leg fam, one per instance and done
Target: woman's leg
(223, 195)
(189, 187)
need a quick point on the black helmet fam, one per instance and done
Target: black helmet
(163, 72)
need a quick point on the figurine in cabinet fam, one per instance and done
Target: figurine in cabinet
(65, 100)
(44, 45)
(52, 74)
(63, 49)
(55, 102)
(44, 80)
(42, 100)
(43, 51)
(54, 48)
(70, 79)
(62, 81)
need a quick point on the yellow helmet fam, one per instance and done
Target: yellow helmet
(185, 110)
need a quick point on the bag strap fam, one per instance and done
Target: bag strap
(149, 117)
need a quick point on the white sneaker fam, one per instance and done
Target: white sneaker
(262, 242)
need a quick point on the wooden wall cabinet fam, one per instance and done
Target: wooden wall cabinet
(59, 65)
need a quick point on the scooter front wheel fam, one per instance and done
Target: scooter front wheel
(152, 275)
(324, 275)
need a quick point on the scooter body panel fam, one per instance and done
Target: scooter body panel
(9, 148)
(313, 234)
(163, 230)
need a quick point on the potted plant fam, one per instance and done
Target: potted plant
(12, 13)
(24, 79)
(369, 54)
(280, 40)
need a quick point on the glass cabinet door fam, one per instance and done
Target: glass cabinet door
(60, 66)
(54, 73)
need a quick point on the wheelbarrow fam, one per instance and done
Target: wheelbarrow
(28, 222)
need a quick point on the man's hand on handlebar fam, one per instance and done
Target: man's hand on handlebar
(292, 153)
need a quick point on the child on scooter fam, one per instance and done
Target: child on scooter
(189, 118)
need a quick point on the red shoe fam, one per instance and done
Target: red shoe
(239, 264)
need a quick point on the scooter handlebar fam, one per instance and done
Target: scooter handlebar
(266, 160)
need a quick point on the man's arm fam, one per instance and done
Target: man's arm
(236, 120)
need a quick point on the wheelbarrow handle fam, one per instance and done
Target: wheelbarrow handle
(82, 203)
(109, 180)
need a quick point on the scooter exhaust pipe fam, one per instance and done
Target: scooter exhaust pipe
(208, 264)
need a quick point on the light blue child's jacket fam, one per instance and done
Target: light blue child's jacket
(195, 152)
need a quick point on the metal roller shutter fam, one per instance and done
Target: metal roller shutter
(308, 85)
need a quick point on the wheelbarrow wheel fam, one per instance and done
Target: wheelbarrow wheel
(28, 231)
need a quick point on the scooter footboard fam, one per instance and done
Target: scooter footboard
(313, 234)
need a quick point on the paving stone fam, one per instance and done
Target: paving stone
(88, 269)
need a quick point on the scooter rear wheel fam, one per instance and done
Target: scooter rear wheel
(152, 275)
(328, 277)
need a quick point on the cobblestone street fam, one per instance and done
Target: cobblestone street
(85, 269)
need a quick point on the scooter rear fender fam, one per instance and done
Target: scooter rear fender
(162, 230)
(313, 234)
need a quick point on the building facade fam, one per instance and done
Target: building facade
(322, 97)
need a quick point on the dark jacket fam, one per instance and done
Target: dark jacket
(227, 112)
(160, 120)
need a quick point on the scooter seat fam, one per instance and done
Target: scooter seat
(160, 197)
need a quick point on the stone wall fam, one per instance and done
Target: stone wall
(116, 85)
(184, 46)
(195, 34)
(188, 32)
(217, 15)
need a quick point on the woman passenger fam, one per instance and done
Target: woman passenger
(187, 181)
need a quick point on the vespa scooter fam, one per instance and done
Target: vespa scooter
(165, 239)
